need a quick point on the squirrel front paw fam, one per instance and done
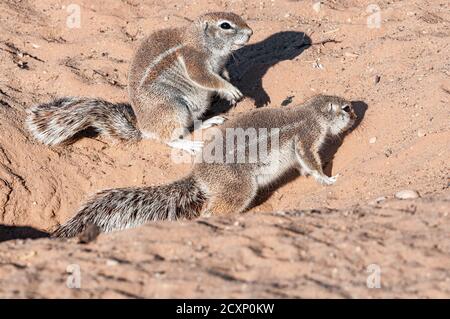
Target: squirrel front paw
(325, 180)
(231, 93)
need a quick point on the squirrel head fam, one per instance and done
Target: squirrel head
(335, 113)
(224, 32)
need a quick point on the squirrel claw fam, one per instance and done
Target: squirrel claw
(231, 93)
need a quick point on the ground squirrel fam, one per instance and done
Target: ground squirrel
(172, 77)
(219, 183)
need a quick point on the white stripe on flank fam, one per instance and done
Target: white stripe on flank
(158, 59)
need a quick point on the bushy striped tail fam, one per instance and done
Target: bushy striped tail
(61, 120)
(117, 209)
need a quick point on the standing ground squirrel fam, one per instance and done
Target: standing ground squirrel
(220, 183)
(172, 78)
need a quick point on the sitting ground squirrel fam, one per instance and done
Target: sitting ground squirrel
(172, 78)
(218, 187)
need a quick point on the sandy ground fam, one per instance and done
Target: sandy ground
(397, 74)
(308, 254)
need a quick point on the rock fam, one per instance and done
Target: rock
(111, 262)
(317, 6)
(318, 65)
(407, 194)
(351, 55)
(421, 133)
(388, 152)
(377, 79)
(372, 140)
(377, 200)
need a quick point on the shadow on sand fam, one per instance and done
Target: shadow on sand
(249, 64)
(9, 232)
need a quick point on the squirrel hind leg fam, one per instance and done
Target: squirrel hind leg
(168, 123)
(164, 121)
(233, 197)
(222, 204)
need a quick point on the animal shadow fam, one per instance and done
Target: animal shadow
(9, 232)
(248, 65)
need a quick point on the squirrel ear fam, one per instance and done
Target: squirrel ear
(205, 26)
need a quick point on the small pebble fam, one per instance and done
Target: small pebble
(111, 262)
(377, 79)
(377, 200)
(388, 152)
(317, 6)
(421, 133)
(317, 65)
(372, 140)
(351, 55)
(407, 194)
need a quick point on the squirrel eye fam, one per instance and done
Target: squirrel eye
(225, 25)
(346, 109)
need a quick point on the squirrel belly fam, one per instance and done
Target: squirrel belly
(59, 121)
(121, 208)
